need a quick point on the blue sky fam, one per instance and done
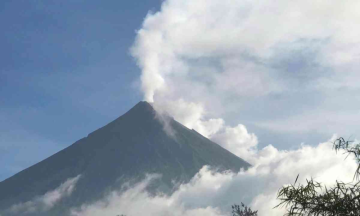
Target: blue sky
(245, 74)
(65, 71)
(274, 82)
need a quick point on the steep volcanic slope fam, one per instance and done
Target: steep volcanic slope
(127, 148)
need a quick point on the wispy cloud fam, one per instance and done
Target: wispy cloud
(46, 201)
(213, 193)
(255, 61)
(282, 66)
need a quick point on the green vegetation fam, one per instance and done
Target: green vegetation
(242, 210)
(314, 199)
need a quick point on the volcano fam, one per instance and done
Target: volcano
(123, 151)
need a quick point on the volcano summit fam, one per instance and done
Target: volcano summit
(122, 151)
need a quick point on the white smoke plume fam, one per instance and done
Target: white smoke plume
(238, 141)
(213, 59)
(284, 66)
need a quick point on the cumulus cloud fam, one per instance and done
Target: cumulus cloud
(46, 201)
(283, 67)
(251, 61)
(136, 200)
(189, 114)
(238, 141)
(213, 193)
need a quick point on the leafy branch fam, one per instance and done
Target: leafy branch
(310, 199)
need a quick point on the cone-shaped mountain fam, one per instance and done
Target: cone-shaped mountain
(125, 149)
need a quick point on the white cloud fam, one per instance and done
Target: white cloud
(136, 201)
(189, 114)
(339, 122)
(196, 30)
(284, 66)
(222, 59)
(212, 193)
(238, 141)
(46, 201)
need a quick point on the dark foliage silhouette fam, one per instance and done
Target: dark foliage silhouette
(314, 199)
(242, 210)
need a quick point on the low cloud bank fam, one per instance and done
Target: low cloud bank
(47, 201)
(213, 193)
(210, 64)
